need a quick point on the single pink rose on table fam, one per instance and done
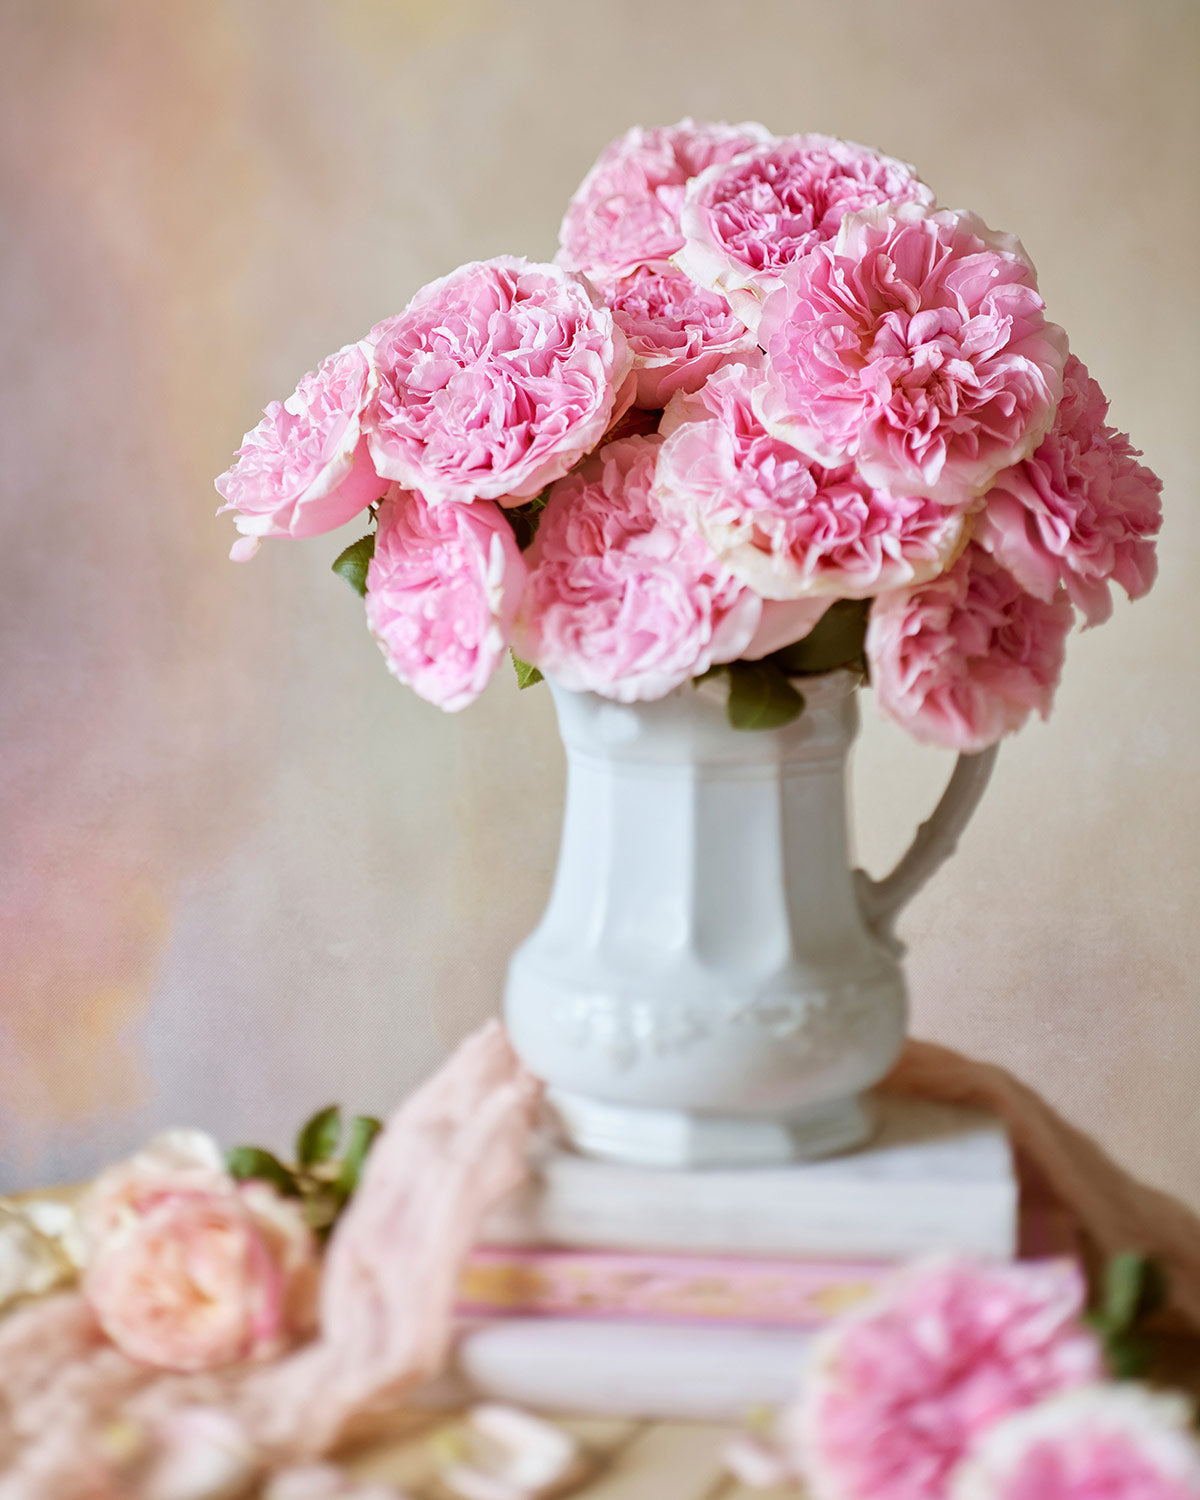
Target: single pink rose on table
(621, 601)
(494, 381)
(745, 220)
(1080, 511)
(895, 1396)
(625, 212)
(442, 589)
(1104, 1442)
(914, 344)
(782, 523)
(677, 332)
(305, 468)
(965, 659)
(189, 1270)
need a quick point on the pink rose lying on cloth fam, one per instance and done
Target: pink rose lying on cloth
(442, 589)
(1101, 1443)
(80, 1421)
(743, 221)
(914, 343)
(305, 468)
(620, 601)
(677, 332)
(895, 1395)
(783, 524)
(494, 381)
(964, 660)
(189, 1270)
(1080, 510)
(625, 212)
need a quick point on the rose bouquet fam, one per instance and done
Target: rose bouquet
(771, 412)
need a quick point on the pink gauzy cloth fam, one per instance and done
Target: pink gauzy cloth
(1109, 1209)
(79, 1421)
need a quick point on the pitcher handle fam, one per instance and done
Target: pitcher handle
(936, 840)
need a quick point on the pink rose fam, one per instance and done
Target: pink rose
(1080, 511)
(677, 333)
(305, 468)
(625, 212)
(442, 590)
(964, 660)
(621, 601)
(915, 343)
(1113, 1442)
(188, 1269)
(783, 524)
(494, 381)
(895, 1396)
(743, 221)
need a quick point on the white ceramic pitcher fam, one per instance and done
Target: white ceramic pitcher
(711, 982)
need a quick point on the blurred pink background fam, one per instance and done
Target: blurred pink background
(242, 872)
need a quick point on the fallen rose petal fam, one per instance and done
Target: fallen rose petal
(511, 1454)
(200, 1454)
(31, 1263)
(326, 1482)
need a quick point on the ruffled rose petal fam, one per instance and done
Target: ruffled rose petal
(494, 381)
(964, 660)
(625, 212)
(442, 589)
(1110, 1442)
(915, 345)
(786, 526)
(744, 221)
(305, 468)
(621, 600)
(1080, 511)
(896, 1395)
(677, 332)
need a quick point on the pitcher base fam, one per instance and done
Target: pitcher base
(678, 1138)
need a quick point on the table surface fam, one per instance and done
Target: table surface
(634, 1461)
(647, 1460)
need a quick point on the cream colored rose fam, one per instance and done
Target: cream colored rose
(188, 1269)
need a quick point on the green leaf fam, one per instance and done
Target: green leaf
(761, 697)
(1129, 1357)
(1134, 1288)
(363, 1130)
(247, 1163)
(836, 640)
(319, 1137)
(321, 1210)
(527, 673)
(525, 519)
(352, 564)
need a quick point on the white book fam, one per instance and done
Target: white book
(934, 1178)
(666, 1372)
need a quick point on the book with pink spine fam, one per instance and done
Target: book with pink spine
(517, 1281)
(548, 1282)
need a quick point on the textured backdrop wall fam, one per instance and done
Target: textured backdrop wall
(242, 872)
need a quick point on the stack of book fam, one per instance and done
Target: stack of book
(628, 1291)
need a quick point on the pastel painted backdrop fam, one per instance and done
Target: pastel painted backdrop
(241, 871)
